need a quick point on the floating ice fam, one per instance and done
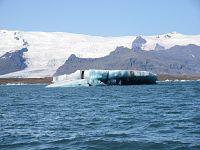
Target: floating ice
(104, 77)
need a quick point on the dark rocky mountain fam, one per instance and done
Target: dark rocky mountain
(138, 43)
(12, 61)
(178, 60)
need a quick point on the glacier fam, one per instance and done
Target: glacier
(49, 50)
(94, 77)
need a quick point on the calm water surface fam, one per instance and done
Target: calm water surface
(163, 116)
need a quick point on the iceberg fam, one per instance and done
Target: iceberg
(94, 77)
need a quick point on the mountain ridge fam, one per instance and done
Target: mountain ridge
(47, 51)
(178, 60)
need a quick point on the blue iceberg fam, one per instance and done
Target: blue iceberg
(94, 77)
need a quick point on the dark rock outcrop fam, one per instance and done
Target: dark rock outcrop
(13, 61)
(159, 47)
(138, 43)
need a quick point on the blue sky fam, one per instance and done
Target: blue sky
(102, 17)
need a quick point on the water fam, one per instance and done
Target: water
(162, 116)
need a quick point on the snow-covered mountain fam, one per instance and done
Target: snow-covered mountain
(47, 51)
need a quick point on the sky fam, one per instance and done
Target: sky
(102, 17)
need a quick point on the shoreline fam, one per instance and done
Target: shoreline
(164, 77)
(48, 80)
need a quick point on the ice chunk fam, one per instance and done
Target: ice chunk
(104, 77)
(70, 83)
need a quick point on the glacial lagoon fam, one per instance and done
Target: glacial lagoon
(162, 116)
